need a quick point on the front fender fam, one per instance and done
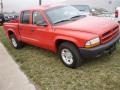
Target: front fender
(79, 43)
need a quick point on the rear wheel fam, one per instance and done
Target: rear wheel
(70, 55)
(16, 44)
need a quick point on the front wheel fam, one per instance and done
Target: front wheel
(16, 44)
(70, 55)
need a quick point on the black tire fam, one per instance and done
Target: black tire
(77, 60)
(18, 43)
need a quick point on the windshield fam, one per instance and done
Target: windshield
(63, 13)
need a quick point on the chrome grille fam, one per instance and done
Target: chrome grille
(109, 35)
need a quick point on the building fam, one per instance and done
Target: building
(109, 5)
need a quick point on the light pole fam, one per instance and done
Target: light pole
(40, 2)
(1, 3)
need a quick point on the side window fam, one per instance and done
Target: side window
(37, 18)
(25, 17)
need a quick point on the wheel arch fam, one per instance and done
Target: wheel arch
(59, 41)
(10, 32)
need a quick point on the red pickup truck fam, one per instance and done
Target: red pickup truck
(61, 28)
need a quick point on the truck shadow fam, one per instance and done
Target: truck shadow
(55, 58)
(100, 60)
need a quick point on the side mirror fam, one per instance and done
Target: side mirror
(41, 23)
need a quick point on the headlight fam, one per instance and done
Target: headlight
(92, 43)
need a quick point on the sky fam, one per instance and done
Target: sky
(18, 5)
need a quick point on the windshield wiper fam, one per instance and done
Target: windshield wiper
(78, 16)
(62, 21)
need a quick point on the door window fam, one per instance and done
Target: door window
(25, 17)
(37, 18)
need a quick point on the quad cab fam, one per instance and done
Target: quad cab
(61, 29)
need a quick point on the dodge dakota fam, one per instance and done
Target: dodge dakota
(61, 29)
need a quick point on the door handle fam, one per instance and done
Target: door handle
(32, 30)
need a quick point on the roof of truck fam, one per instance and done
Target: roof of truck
(45, 7)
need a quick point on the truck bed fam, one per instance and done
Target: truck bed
(13, 26)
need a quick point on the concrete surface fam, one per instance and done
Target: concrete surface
(11, 77)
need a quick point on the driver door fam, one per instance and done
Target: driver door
(40, 30)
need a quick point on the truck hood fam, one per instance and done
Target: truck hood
(94, 25)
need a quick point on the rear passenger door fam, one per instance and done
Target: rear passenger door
(25, 26)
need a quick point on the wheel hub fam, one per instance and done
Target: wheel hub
(14, 42)
(67, 56)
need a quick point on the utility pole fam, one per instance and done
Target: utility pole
(1, 3)
(40, 2)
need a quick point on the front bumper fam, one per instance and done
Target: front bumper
(100, 50)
